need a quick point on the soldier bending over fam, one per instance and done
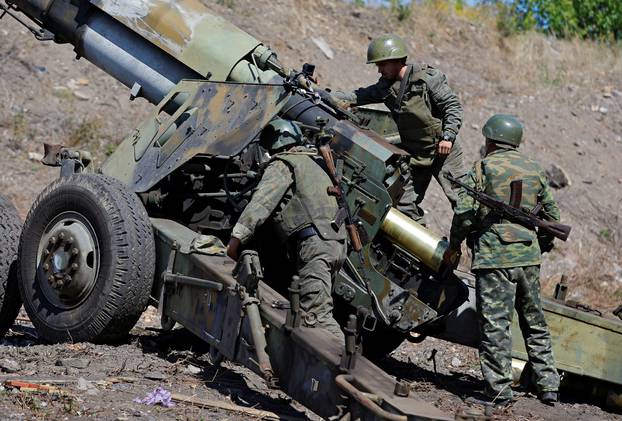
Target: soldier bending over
(292, 195)
(428, 115)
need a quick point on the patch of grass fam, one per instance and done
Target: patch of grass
(605, 234)
(402, 11)
(109, 149)
(19, 125)
(84, 133)
(552, 78)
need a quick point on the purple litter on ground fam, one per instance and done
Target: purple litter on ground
(158, 396)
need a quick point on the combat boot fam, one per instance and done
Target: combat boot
(549, 398)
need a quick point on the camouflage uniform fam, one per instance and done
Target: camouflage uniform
(506, 263)
(292, 195)
(429, 109)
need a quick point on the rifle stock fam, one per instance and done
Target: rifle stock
(335, 190)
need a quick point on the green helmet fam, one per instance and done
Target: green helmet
(280, 133)
(503, 129)
(386, 47)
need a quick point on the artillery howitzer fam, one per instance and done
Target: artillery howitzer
(98, 247)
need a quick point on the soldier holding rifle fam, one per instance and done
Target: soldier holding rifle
(506, 256)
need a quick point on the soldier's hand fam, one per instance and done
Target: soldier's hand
(451, 257)
(444, 147)
(233, 247)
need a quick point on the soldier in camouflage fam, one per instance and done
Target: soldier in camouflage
(428, 115)
(506, 261)
(292, 196)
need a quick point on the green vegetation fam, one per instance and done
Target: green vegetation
(594, 19)
(605, 234)
(19, 126)
(84, 132)
(401, 10)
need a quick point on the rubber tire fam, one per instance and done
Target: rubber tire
(10, 300)
(127, 260)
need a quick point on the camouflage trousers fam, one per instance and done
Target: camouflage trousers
(420, 177)
(499, 292)
(317, 263)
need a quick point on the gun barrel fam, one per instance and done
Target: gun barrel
(153, 44)
(414, 238)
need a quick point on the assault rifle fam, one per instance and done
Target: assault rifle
(344, 214)
(514, 212)
(323, 138)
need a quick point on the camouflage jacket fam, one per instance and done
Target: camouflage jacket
(292, 194)
(428, 108)
(500, 243)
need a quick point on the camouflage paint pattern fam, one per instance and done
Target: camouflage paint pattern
(498, 292)
(584, 343)
(306, 361)
(217, 118)
(187, 31)
(372, 180)
(497, 243)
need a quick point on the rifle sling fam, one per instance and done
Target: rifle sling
(398, 103)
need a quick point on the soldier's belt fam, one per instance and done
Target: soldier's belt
(303, 234)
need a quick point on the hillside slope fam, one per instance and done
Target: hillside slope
(566, 92)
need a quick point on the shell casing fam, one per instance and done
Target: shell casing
(414, 238)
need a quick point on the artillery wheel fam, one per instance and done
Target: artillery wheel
(10, 301)
(86, 260)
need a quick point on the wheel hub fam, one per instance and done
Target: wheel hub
(69, 259)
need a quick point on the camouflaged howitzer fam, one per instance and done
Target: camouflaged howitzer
(99, 245)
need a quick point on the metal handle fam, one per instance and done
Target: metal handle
(344, 381)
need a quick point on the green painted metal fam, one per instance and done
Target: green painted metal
(379, 119)
(367, 161)
(199, 291)
(583, 343)
(216, 118)
(207, 43)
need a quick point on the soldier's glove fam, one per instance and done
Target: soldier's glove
(449, 136)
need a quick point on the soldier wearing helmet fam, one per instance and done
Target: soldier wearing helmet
(428, 115)
(292, 196)
(506, 261)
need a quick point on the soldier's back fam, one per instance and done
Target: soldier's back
(501, 243)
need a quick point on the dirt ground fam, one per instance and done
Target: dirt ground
(103, 381)
(566, 92)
